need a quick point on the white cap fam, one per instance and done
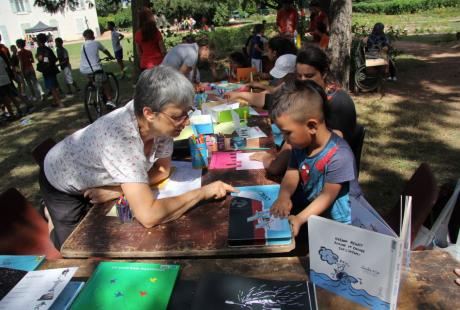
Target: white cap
(284, 64)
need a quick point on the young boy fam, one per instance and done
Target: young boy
(322, 163)
(26, 60)
(47, 66)
(117, 49)
(64, 63)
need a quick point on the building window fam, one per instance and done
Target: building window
(20, 6)
(80, 5)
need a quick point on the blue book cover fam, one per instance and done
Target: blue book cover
(21, 262)
(67, 296)
(250, 221)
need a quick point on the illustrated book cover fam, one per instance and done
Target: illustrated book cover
(120, 285)
(231, 292)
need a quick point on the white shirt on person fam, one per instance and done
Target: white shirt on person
(108, 152)
(116, 41)
(92, 49)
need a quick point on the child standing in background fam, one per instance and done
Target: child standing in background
(117, 48)
(26, 60)
(64, 64)
(321, 162)
(256, 47)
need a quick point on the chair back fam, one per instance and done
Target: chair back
(423, 188)
(244, 74)
(40, 151)
(22, 230)
(357, 142)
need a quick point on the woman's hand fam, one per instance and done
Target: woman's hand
(103, 194)
(281, 207)
(217, 190)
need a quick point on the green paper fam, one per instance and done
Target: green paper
(117, 285)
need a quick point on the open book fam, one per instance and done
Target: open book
(362, 264)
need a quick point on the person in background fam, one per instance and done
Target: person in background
(7, 92)
(64, 64)
(237, 60)
(256, 47)
(124, 153)
(26, 61)
(276, 47)
(318, 20)
(184, 57)
(17, 72)
(149, 41)
(378, 44)
(117, 48)
(321, 164)
(90, 64)
(47, 66)
(286, 19)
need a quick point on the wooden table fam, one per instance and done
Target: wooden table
(200, 232)
(429, 284)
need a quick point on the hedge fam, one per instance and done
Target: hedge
(394, 7)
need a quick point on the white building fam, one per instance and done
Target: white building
(18, 15)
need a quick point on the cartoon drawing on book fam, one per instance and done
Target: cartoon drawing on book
(266, 298)
(344, 282)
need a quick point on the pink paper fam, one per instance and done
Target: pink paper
(223, 160)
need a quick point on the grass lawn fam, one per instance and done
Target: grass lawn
(416, 121)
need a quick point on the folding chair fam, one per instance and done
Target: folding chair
(357, 142)
(22, 230)
(244, 74)
(424, 191)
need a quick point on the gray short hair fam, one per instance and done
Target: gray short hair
(160, 86)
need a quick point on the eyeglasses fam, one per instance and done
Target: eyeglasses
(177, 120)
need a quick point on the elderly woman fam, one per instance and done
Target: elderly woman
(378, 44)
(124, 152)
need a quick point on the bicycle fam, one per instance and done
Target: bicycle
(95, 99)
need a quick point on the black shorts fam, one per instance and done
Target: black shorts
(119, 54)
(66, 210)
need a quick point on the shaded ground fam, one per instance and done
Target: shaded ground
(416, 121)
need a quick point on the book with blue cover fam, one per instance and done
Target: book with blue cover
(21, 262)
(250, 221)
(67, 296)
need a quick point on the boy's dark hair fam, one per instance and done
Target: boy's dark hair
(111, 24)
(42, 38)
(88, 33)
(21, 43)
(282, 46)
(58, 40)
(301, 100)
(258, 28)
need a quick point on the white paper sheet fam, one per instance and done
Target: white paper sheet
(255, 132)
(244, 163)
(183, 179)
(38, 289)
(252, 111)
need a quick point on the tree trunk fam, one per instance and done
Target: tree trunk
(340, 40)
(136, 5)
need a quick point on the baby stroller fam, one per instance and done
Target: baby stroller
(370, 68)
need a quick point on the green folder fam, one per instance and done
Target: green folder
(117, 285)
